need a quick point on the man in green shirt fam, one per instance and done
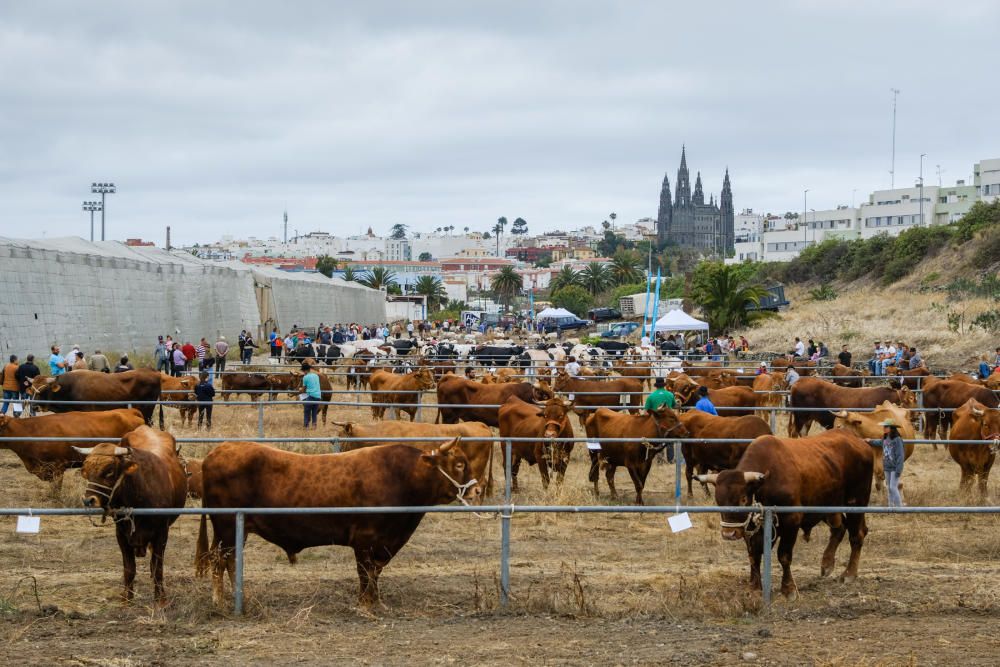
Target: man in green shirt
(659, 397)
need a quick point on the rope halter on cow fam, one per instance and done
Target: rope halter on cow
(753, 521)
(107, 492)
(462, 488)
(653, 450)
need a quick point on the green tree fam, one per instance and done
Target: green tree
(425, 257)
(326, 265)
(613, 216)
(349, 274)
(398, 231)
(465, 229)
(625, 268)
(724, 292)
(486, 235)
(595, 278)
(379, 278)
(506, 284)
(573, 298)
(566, 277)
(519, 227)
(433, 289)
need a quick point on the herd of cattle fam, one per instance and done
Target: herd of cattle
(144, 469)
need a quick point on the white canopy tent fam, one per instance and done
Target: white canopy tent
(553, 313)
(678, 320)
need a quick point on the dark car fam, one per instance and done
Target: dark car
(564, 324)
(602, 314)
(620, 330)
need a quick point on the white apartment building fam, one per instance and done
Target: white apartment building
(986, 179)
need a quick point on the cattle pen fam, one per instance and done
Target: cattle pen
(613, 583)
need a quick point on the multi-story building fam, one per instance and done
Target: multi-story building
(986, 179)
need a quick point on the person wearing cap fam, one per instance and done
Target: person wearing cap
(661, 396)
(312, 397)
(893, 456)
(762, 368)
(705, 403)
(161, 356)
(791, 376)
(876, 354)
(124, 365)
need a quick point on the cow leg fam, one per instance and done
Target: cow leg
(515, 465)
(223, 541)
(595, 471)
(562, 463)
(609, 475)
(837, 530)
(857, 529)
(156, 566)
(128, 563)
(323, 410)
(793, 425)
(543, 464)
(984, 478)
(755, 551)
(965, 484)
(639, 481)
(786, 545)
(369, 569)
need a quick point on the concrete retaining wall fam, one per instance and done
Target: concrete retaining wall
(116, 298)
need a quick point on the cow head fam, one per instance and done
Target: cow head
(453, 464)
(778, 381)
(425, 378)
(41, 386)
(993, 382)
(555, 413)
(906, 398)
(105, 469)
(562, 378)
(542, 391)
(346, 428)
(667, 423)
(684, 387)
(4, 420)
(987, 419)
(735, 488)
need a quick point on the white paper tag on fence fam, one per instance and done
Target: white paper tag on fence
(28, 524)
(303, 397)
(679, 522)
(594, 446)
(571, 397)
(624, 399)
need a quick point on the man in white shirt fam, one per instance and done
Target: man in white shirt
(800, 348)
(888, 357)
(572, 367)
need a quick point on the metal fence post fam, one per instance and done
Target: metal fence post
(678, 462)
(765, 578)
(238, 578)
(260, 417)
(505, 532)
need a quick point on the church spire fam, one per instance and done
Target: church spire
(699, 195)
(665, 213)
(683, 196)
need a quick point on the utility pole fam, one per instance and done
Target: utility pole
(102, 189)
(922, 156)
(892, 168)
(286, 227)
(805, 226)
(92, 206)
(939, 175)
(168, 238)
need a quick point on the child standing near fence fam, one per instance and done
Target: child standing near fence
(204, 392)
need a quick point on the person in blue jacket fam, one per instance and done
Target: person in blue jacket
(704, 402)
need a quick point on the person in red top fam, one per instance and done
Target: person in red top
(189, 353)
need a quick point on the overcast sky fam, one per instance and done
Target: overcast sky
(215, 117)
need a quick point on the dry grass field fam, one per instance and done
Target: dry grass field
(586, 589)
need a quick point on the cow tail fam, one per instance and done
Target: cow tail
(201, 551)
(161, 416)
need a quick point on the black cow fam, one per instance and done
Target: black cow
(613, 348)
(495, 355)
(403, 346)
(328, 354)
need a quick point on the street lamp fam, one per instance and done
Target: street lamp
(92, 206)
(805, 227)
(102, 189)
(922, 156)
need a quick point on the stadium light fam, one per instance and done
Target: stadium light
(102, 189)
(92, 206)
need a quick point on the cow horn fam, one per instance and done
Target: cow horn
(839, 413)
(84, 451)
(121, 451)
(753, 476)
(978, 412)
(50, 380)
(710, 478)
(448, 445)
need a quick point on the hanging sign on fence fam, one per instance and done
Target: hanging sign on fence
(594, 446)
(679, 522)
(28, 524)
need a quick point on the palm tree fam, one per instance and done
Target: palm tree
(566, 277)
(613, 216)
(625, 268)
(456, 305)
(466, 229)
(595, 278)
(438, 230)
(433, 289)
(379, 278)
(507, 284)
(724, 294)
(350, 275)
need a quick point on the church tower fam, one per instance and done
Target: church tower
(665, 213)
(728, 215)
(683, 197)
(699, 195)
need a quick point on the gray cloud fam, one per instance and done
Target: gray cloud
(214, 118)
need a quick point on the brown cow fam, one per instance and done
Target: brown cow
(48, 461)
(716, 379)
(822, 399)
(914, 378)
(767, 387)
(248, 474)
(803, 368)
(290, 383)
(251, 384)
(636, 457)
(847, 377)
(144, 471)
(469, 437)
(195, 487)
(527, 420)
(180, 391)
(735, 401)
(940, 395)
(637, 370)
(616, 393)
(833, 468)
(716, 456)
(356, 373)
(867, 425)
(455, 390)
(975, 421)
(403, 391)
(700, 368)
(89, 391)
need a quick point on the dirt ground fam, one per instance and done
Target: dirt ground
(586, 589)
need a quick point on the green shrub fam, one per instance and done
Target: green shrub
(575, 299)
(988, 250)
(823, 293)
